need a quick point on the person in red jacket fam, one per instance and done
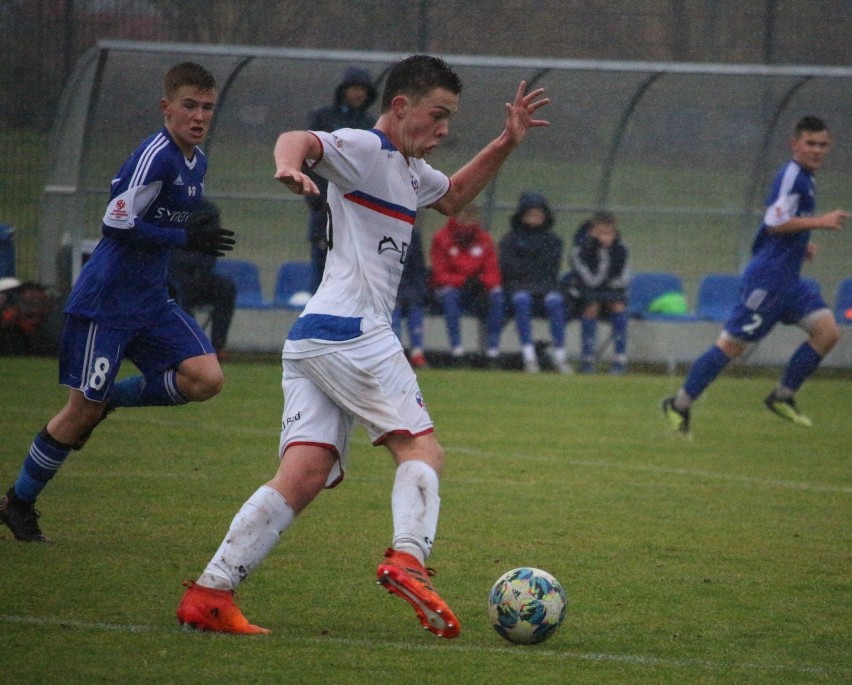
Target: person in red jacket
(466, 278)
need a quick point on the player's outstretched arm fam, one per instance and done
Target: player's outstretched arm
(291, 150)
(830, 221)
(470, 180)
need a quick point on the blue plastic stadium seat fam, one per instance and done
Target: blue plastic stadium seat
(645, 287)
(293, 285)
(843, 302)
(246, 276)
(718, 294)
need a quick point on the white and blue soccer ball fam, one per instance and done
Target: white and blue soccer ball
(526, 605)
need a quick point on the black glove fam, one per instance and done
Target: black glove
(203, 234)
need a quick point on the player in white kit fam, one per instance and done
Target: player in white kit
(342, 361)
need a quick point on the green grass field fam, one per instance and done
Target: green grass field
(721, 560)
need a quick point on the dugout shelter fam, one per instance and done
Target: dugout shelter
(680, 152)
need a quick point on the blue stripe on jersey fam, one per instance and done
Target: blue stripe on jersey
(382, 206)
(325, 327)
(386, 144)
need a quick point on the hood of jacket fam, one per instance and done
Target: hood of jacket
(355, 76)
(530, 200)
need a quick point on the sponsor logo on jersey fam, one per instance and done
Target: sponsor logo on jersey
(172, 216)
(178, 181)
(292, 419)
(388, 244)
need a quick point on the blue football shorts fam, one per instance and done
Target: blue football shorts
(760, 309)
(90, 354)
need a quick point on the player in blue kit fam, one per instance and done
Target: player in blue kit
(342, 361)
(772, 290)
(120, 307)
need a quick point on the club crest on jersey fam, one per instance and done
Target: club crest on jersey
(118, 210)
(420, 401)
(414, 183)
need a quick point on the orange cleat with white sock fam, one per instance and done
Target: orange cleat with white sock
(206, 608)
(403, 575)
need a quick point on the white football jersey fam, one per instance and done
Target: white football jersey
(373, 195)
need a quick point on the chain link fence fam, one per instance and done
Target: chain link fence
(45, 39)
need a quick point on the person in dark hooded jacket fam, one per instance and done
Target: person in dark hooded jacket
(353, 96)
(530, 254)
(193, 278)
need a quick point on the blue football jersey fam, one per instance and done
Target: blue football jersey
(777, 257)
(124, 284)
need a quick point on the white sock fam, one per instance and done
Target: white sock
(528, 352)
(682, 401)
(415, 505)
(253, 534)
(783, 393)
(559, 354)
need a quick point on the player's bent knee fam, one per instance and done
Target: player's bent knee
(200, 378)
(208, 387)
(825, 340)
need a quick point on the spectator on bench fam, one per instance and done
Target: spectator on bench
(466, 276)
(196, 284)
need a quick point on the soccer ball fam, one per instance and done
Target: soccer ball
(526, 605)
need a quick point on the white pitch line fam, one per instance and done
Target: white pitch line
(538, 651)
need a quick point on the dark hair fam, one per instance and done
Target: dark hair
(187, 74)
(416, 76)
(602, 217)
(809, 124)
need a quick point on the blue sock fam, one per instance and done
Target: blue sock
(451, 301)
(126, 393)
(45, 457)
(619, 332)
(554, 304)
(157, 391)
(802, 364)
(415, 326)
(704, 371)
(588, 333)
(494, 325)
(523, 303)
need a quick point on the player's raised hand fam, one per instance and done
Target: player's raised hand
(520, 113)
(296, 181)
(292, 149)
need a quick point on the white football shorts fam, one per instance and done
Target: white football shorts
(326, 394)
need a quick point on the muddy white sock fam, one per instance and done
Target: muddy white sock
(253, 534)
(415, 505)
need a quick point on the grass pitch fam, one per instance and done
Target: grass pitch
(721, 560)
